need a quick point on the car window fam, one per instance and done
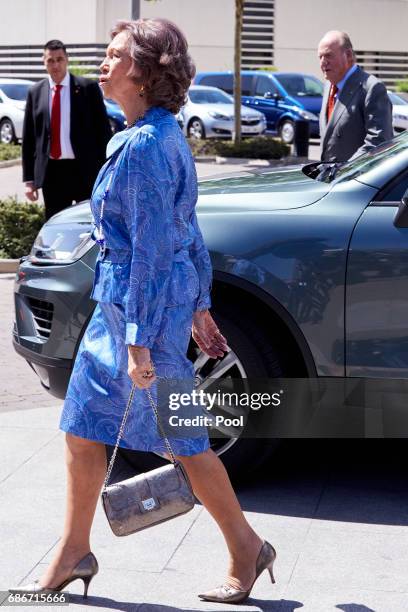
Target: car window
(1, 100)
(226, 82)
(397, 190)
(299, 85)
(397, 100)
(265, 85)
(223, 81)
(209, 96)
(337, 171)
(16, 91)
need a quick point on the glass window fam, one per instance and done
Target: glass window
(265, 85)
(299, 85)
(396, 100)
(339, 171)
(209, 96)
(246, 84)
(223, 81)
(395, 193)
(226, 82)
(15, 91)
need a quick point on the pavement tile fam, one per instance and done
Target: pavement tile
(356, 559)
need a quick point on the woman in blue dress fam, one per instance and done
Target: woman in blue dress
(152, 285)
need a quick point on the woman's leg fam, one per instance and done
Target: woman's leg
(86, 470)
(213, 488)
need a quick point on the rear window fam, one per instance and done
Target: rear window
(15, 91)
(209, 96)
(226, 82)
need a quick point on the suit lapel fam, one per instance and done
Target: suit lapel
(344, 100)
(323, 112)
(44, 103)
(75, 98)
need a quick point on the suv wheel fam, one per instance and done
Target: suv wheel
(7, 133)
(287, 131)
(251, 356)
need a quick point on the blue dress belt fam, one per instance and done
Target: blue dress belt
(124, 256)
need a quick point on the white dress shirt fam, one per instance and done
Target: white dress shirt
(66, 147)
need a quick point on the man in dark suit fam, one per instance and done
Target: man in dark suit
(65, 134)
(356, 113)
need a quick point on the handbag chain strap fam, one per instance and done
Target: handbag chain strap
(122, 428)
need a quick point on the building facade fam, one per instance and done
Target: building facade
(280, 33)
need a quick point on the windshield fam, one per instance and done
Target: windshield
(300, 85)
(397, 100)
(209, 96)
(15, 91)
(328, 172)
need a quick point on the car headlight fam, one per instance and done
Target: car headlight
(400, 117)
(61, 243)
(216, 115)
(307, 115)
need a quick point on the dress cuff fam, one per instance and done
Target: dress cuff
(136, 335)
(203, 303)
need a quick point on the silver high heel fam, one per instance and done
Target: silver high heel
(86, 569)
(227, 594)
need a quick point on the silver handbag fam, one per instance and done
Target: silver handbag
(149, 498)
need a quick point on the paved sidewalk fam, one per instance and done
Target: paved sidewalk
(336, 511)
(340, 530)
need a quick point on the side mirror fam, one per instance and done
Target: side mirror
(272, 96)
(401, 216)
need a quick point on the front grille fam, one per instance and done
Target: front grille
(43, 313)
(249, 121)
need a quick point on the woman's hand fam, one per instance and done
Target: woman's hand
(140, 367)
(207, 335)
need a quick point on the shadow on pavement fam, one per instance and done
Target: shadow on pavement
(281, 605)
(362, 481)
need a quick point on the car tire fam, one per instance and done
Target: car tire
(196, 129)
(256, 358)
(7, 132)
(287, 131)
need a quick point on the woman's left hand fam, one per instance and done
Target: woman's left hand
(140, 367)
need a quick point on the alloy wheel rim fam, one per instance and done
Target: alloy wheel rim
(6, 133)
(228, 368)
(287, 132)
(195, 130)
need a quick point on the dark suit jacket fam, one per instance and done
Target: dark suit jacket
(361, 118)
(89, 134)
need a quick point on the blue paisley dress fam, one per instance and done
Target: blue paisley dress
(154, 273)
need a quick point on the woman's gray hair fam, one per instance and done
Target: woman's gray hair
(160, 51)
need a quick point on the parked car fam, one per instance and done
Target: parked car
(117, 119)
(283, 97)
(116, 116)
(13, 95)
(310, 281)
(209, 113)
(399, 112)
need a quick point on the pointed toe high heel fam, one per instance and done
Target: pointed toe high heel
(86, 569)
(227, 594)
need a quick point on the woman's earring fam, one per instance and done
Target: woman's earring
(141, 92)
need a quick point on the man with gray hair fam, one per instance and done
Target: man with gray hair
(356, 113)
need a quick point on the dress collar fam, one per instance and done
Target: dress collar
(152, 115)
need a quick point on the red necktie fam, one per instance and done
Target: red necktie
(55, 149)
(332, 101)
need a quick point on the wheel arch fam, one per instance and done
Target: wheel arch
(265, 309)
